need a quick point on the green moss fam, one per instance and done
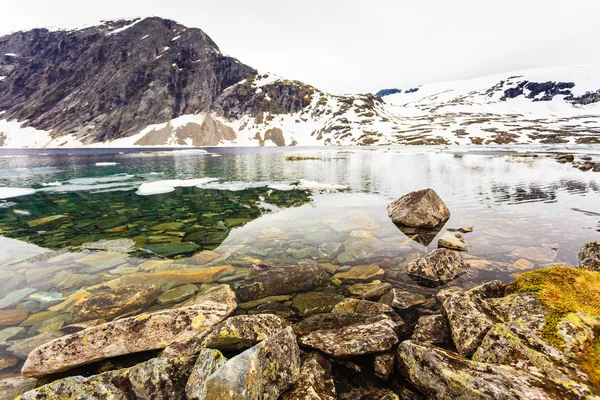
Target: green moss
(565, 290)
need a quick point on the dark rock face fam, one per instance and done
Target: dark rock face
(420, 209)
(100, 85)
(264, 280)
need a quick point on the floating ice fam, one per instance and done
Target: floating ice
(322, 187)
(104, 164)
(9, 192)
(167, 186)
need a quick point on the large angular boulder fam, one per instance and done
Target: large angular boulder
(589, 256)
(441, 374)
(264, 371)
(125, 336)
(354, 340)
(208, 361)
(436, 268)
(420, 209)
(125, 300)
(264, 280)
(158, 378)
(234, 334)
(470, 316)
(315, 380)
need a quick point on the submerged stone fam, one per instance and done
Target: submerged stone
(177, 294)
(125, 300)
(125, 336)
(361, 273)
(264, 371)
(52, 220)
(15, 297)
(173, 249)
(13, 317)
(22, 348)
(315, 302)
(453, 241)
(421, 209)
(369, 290)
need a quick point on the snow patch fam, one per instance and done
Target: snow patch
(10, 192)
(167, 186)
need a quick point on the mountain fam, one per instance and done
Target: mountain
(153, 81)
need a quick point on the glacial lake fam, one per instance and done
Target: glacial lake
(184, 210)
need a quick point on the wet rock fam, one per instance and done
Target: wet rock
(436, 268)
(334, 321)
(315, 380)
(12, 387)
(315, 302)
(536, 254)
(361, 273)
(64, 280)
(453, 241)
(177, 294)
(444, 293)
(401, 300)
(383, 365)
(125, 300)
(432, 329)
(354, 340)
(8, 362)
(173, 249)
(234, 334)
(168, 226)
(13, 317)
(281, 310)
(442, 374)
(369, 290)
(10, 333)
(263, 280)
(358, 220)
(362, 251)
(589, 256)
(15, 297)
(158, 378)
(125, 336)
(470, 316)
(47, 299)
(361, 307)
(79, 326)
(22, 348)
(265, 300)
(156, 239)
(421, 209)
(208, 361)
(264, 371)
(53, 220)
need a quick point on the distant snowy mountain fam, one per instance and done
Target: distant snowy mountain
(153, 81)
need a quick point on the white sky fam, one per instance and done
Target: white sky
(360, 46)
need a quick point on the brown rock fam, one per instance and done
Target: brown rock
(13, 317)
(421, 209)
(401, 299)
(126, 300)
(436, 268)
(315, 380)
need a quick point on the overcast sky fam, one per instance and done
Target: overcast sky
(346, 46)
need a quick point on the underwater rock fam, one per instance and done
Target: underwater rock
(420, 209)
(436, 268)
(177, 294)
(354, 340)
(208, 361)
(401, 299)
(125, 336)
(47, 299)
(361, 273)
(264, 280)
(12, 387)
(234, 334)
(362, 251)
(124, 300)
(12, 332)
(453, 241)
(22, 348)
(51, 220)
(369, 290)
(315, 380)
(15, 297)
(158, 378)
(442, 374)
(173, 249)
(361, 307)
(13, 317)
(264, 371)
(315, 302)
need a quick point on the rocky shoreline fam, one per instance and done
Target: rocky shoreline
(306, 330)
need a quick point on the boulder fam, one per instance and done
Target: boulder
(436, 268)
(354, 340)
(401, 299)
(125, 300)
(208, 361)
(470, 316)
(315, 380)
(453, 241)
(158, 378)
(369, 290)
(264, 371)
(420, 209)
(432, 329)
(125, 336)
(442, 374)
(234, 334)
(263, 280)
(589, 256)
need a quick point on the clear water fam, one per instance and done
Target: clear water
(262, 207)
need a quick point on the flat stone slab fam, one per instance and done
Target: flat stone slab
(125, 336)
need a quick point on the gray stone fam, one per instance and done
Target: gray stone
(178, 294)
(208, 361)
(420, 209)
(264, 371)
(12, 332)
(436, 268)
(15, 297)
(22, 348)
(453, 241)
(12, 387)
(432, 329)
(589, 256)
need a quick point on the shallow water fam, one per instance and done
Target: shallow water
(251, 205)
